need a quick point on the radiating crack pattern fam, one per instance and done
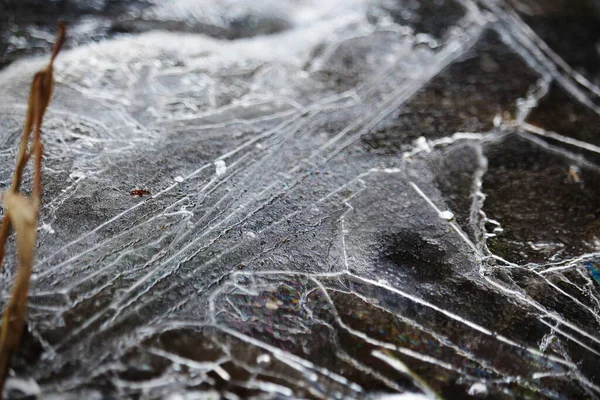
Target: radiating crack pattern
(373, 198)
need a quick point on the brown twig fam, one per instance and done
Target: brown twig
(41, 86)
(22, 212)
(23, 215)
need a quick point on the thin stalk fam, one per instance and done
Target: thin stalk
(22, 212)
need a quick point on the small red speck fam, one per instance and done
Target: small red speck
(139, 192)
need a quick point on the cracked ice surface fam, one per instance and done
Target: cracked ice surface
(375, 198)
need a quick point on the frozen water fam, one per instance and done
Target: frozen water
(350, 199)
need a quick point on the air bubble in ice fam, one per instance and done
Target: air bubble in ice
(497, 121)
(263, 359)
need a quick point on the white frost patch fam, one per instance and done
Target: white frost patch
(47, 228)
(77, 175)
(195, 395)
(447, 215)
(422, 144)
(221, 167)
(214, 12)
(387, 170)
(289, 47)
(404, 396)
(478, 388)
(178, 179)
(217, 12)
(28, 387)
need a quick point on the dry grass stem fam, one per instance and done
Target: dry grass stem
(21, 212)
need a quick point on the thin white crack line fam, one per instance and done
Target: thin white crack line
(570, 337)
(454, 226)
(560, 138)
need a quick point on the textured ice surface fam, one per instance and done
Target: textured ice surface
(349, 199)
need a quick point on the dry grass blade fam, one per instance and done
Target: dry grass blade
(22, 212)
